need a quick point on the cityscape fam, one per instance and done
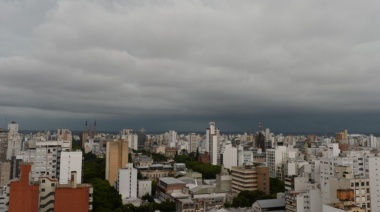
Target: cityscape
(212, 171)
(189, 106)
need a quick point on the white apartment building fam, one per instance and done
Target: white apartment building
(305, 201)
(244, 157)
(275, 159)
(45, 156)
(230, 157)
(126, 183)
(373, 173)
(14, 141)
(131, 137)
(172, 139)
(193, 142)
(70, 161)
(212, 143)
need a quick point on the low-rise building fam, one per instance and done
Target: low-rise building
(166, 186)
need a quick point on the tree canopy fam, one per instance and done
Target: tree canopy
(247, 198)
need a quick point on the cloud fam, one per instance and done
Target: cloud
(139, 59)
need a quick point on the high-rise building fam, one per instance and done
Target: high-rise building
(46, 156)
(230, 156)
(5, 172)
(131, 137)
(193, 142)
(275, 159)
(70, 162)
(65, 135)
(3, 144)
(260, 141)
(212, 143)
(142, 138)
(14, 140)
(373, 168)
(126, 183)
(116, 158)
(342, 139)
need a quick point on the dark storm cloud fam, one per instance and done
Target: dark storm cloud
(194, 60)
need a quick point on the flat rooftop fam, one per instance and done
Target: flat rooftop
(171, 180)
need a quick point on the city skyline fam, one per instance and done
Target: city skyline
(294, 66)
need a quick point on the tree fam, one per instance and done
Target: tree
(148, 198)
(247, 198)
(159, 157)
(154, 187)
(276, 186)
(93, 167)
(106, 198)
(208, 171)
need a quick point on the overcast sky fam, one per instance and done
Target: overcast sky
(296, 66)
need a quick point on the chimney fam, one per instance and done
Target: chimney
(73, 181)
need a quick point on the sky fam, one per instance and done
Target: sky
(295, 66)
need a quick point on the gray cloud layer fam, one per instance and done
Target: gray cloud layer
(187, 60)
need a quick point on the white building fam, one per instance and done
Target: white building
(244, 157)
(193, 142)
(126, 184)
(212, 143)
(144, 187)
(172, 140)
(14, 140)
(229, 156)
(373, 169)
(131, 137)
(275, 159)
(45, 156)
(70, 161)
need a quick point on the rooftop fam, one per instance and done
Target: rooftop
(271, 203)
(171, 180)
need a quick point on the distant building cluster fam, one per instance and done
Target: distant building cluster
(41, 172)
(320, 173)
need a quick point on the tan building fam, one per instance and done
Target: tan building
(5, 172)
(250, 178)
(65, 135)
(116, 158)
(3, 144)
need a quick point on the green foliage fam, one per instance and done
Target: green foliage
(159, 157)
(140, 176)
(185, 158)
(276, 186)
(247, 198)
(106, 198)
(93, 167)
(130, 157)
(208, 171)
(148, 198)
(154, 187)
(76, 144)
